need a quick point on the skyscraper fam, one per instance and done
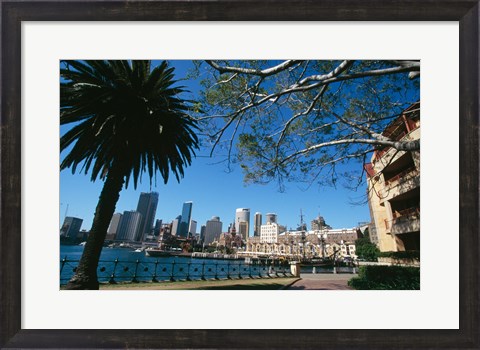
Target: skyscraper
(147, 206)
(242, 215)
(185, 219)
(129, 226)
(158, 227)
(71, 227)
(192, 230)
(213, 229)
(114, 225)
(271, 218)
(258, 223)
(175, 224)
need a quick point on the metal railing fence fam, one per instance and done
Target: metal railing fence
(114, 271)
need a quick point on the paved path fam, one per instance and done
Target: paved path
(322, 281)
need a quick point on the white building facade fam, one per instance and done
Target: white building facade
(269, 233)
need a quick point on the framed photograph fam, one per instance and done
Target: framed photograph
(41, 38)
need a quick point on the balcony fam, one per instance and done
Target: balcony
(401, 183)
(404, 221)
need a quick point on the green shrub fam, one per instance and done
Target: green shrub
(386, 277)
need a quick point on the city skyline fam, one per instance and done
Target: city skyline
(217, 190)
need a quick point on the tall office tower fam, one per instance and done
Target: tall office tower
(242, 215)
(147, 206)
(271, 218)
(129, 226)
(213, 229)
(157, 227)
(192, 229)
(258, 223)
(114, 224)
(185, 219)
(243, 230)
(203, 228)
(175, 225)
(71, 227)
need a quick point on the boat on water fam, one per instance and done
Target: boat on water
(157, 252)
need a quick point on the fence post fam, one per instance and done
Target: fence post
(172, 279)
(134, 279)
(188, 272)
(203, 272)
(64, 261)
(216, 271)
(154, 278)
(112, 277)
(228, 271)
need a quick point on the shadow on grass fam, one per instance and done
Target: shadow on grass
(271, 286)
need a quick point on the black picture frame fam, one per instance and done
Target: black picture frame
(466, 12)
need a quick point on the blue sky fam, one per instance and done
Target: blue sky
(216, 192)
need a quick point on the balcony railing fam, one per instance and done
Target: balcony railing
(402, 217)
(413, 212)
(407, 173)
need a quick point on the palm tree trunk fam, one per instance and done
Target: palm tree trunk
(86, 274)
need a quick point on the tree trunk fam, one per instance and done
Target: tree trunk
(86, 274)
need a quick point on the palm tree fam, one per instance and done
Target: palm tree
(127, 119)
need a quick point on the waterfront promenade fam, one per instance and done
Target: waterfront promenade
(305, 282)
(321, 281)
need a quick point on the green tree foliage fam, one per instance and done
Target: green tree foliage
(366, 249)
(301, 120)
(127, 119)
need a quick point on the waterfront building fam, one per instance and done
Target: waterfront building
(213, 229)
(258, 223)
(113, 227)
(338, 235)
(271, 218)
(393, 179)
(269, 233)
(147, 206)
(71, 227)
(242, 219)
(185, 218)
(129, 227)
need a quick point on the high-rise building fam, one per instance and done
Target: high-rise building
(175, 225)
(202, 232)
(129, 226)
(271, 218)
(258, 223)
(114, 224)
(71, 227)
(192, 229)
(184, 223)
(213, 229)
(158, 227)
(242, 215)
(147, 206)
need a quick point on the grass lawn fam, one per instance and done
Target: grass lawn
(243, 284)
